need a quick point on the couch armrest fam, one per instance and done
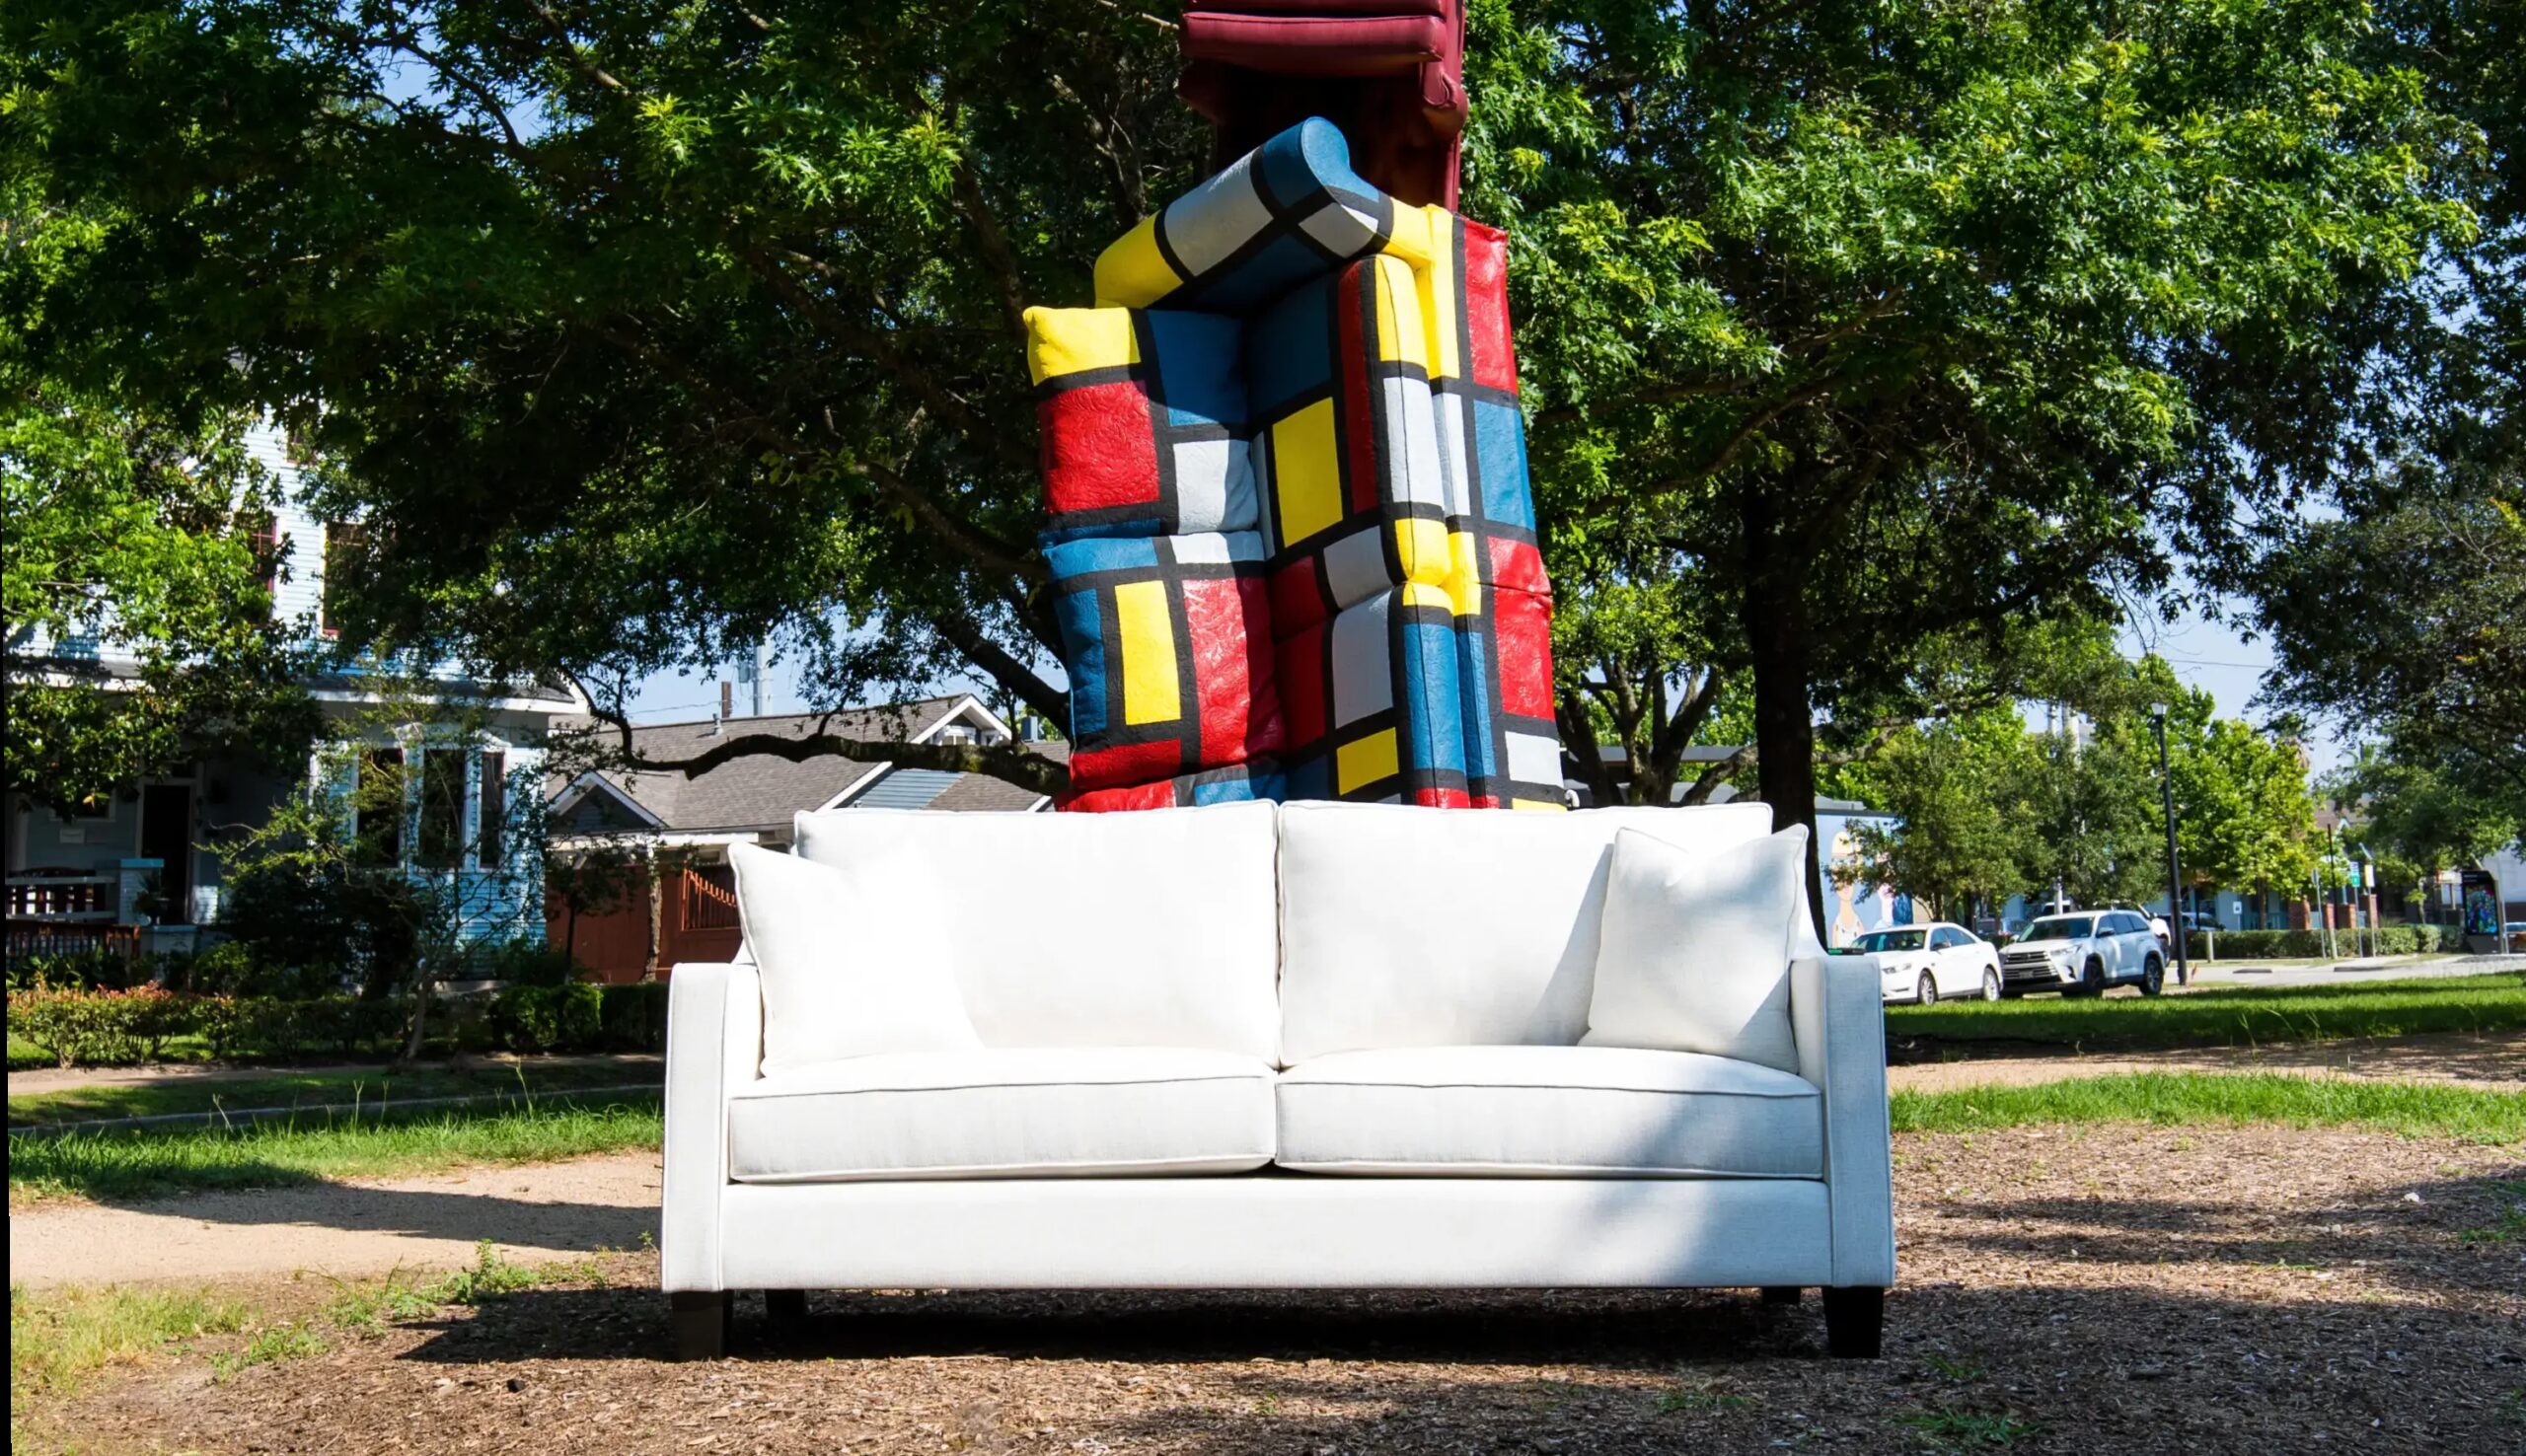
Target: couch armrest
(1839, 1016)
(714, 1044)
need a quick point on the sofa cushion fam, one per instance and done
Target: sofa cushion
(1548, 1112)
(1694, 951)
(1032, 1112)
(1080, 929)
(840, 977)
(1416, 928)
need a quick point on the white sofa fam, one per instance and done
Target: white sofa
(1319, 1045)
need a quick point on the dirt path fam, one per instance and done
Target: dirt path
(365, 1226)
(2492, 1060)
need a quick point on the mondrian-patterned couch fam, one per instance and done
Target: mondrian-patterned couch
(1287, 519)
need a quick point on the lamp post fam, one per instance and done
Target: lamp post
(2175, 872)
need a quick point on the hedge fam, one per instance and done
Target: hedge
(91, 1028)
(2387, 940)
(580, 1017)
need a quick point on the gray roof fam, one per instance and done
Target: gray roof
(760, 792)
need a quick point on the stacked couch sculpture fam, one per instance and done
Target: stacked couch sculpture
(1288, 528)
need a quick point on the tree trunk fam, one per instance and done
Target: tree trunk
(1775, 622)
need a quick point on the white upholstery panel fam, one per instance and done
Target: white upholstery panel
(715, 1043)
(1430, 927)
(1010, 1112)
(1280, 1231)
(1840, 1017)
(1548, 1112)
(1148, 929)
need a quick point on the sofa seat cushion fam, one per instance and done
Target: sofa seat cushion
(1558, 1112)
(1005, 1113)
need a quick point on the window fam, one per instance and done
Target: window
(1946, 939)
(495, 806)
(345, 540)
(377, 809)
(262, 538)
(442, 836)
(1877, 941)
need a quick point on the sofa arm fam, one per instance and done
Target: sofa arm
(714, 1044)
(1839, 1016)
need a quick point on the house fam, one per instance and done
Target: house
(144, 870)
(678, 830)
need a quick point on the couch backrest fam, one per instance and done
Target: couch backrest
(1426, 928)
(1151, 929)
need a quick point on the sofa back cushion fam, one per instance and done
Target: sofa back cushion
(1421, 927)
(1153, 929)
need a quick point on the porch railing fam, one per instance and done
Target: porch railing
(62, 897)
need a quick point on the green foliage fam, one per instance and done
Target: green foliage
(527, 962)
(2246, 1017)
(128, 542)
(89, 1026)
(2177, 1099)
(568, 1017)
(634, 1017)
(1838, 335)
(2387, 940)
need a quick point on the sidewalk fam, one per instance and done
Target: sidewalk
(637, 1066)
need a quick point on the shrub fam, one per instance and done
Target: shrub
(634, 1017)
(547, 1018)
(528, 963)
(2389, 940)
(88, 969)
(89, 1026)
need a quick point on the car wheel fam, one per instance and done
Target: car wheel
(1925, 993)
(2090, 981)
(2153, 977)
(1991, 984)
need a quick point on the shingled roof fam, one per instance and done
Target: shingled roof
(760, 793)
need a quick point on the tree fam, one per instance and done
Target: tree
(638, 335)
(1963, 793)
(139, 629)
(1898, 320)
(644, 332)
(2416, 820)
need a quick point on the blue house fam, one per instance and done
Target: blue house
(142, 869)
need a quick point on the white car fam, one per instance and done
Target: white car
(2082, 952)
(1919, 963)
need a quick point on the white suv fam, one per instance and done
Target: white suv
(2083, 952)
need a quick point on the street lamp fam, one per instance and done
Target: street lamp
(2175, 872)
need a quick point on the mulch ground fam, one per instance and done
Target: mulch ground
(2116, 1290)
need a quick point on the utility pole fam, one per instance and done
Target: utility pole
(2175, 871)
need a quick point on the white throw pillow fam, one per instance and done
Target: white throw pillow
(847, 969)
(1694, 950)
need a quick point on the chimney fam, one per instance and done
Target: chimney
(727, 699)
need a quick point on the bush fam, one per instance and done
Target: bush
(91, 1027)
(528, 963)
(634, 1017)
(89, 970)
(547, 1018)
(2390, 940)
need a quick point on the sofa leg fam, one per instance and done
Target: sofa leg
(700, 1319)
(784, 1310)
(1854, 1322)
(1782, 1293)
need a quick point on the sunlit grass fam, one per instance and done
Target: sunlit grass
(134, 1164)
(2169, 1099)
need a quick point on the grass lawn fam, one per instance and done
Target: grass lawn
(367, 1086)
(2170, 1099)
(129, 1164)
(2243, 1017)
(56, 1340)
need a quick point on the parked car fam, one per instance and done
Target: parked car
(2197, 921)
(2515, 933)
(1919, 963)
(2158, 925)
(2084, 952)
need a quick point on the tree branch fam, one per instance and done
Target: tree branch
(1003, 668)
(1715, 774)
